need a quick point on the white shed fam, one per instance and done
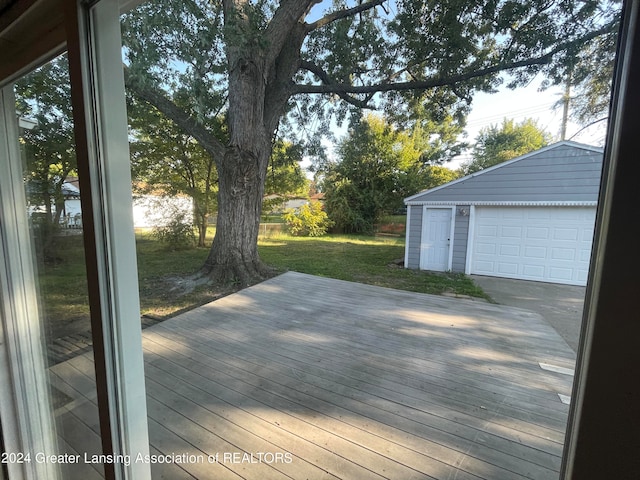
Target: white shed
(530, 218)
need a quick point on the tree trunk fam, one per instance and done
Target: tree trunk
(201, 224)
(241, 173)
(233, 257)
(259, 79)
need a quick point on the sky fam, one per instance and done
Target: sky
(522, 103)
(519, 104)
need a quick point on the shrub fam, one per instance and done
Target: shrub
(310, 220)
(177, 234)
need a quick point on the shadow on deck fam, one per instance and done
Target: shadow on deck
(305, 377)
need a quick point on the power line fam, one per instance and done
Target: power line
(511, 114)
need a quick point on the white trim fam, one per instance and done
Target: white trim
(407, 234)
(566, 399)
(557, 369)
(563, 143)
(451, 233)
(25, 409)
(115, 239)
(470, 234)
(509, 203)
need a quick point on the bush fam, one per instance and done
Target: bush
(177, 234)
(310, 220)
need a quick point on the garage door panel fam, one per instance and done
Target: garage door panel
(507, 268)
(485, 268)
(551, 244)
(569, 234)
(560, 274)
(535, 252)
(490, 231)
(511, 215)
(541, 214)
(537, 233)
(514, 232)
(531, 272)
(582, 276)
(510, 250)
(563, 254)
(486, 248)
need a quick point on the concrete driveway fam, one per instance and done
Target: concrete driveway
(560, 305)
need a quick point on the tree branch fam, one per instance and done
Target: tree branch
(182, 119)
(332, 17)
(341, 88)
(327, 80)
(286, 16)
(590, 124)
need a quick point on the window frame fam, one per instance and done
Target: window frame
(604, 404)
(92, 37)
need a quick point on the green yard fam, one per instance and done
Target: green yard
(360, 259)
(161, 272)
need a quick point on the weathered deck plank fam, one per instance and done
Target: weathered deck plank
(353, 381)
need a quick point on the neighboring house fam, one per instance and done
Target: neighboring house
(317, 197)
(149, 210)
(72, 214)
(529, 218)
(159, 210)
(281, 203)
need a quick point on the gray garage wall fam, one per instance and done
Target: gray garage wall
(460, 239)
(414, 236)
(562, 172)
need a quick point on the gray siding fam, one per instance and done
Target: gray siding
(460, 238)
(415, 236)
(562, 173)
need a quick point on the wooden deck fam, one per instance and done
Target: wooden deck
(324, 379)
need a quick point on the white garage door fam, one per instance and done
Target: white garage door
(548, 244)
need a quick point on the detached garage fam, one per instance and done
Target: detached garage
(530, 218)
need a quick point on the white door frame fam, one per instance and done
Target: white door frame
(451, 231)
(470, 235)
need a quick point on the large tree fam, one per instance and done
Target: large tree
(262, 60)
(379, 165)
(44, 97)
(285, 177)
(496, 144)
(164, 158)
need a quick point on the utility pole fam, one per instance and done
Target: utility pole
(565, 109)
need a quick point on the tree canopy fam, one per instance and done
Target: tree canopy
(497, 144)
(44, 96)
(285, 177)
(304, 61)
(378, 166)
(166, 160)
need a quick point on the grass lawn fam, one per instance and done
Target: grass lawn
(354, 258)
(360, 259)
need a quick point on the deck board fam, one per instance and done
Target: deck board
(353, 381)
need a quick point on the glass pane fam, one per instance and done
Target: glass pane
(305, 375)
(53, 209)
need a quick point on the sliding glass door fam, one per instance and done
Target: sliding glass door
(46, 306)
(72, 402)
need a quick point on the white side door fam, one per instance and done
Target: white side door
(435, 245)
